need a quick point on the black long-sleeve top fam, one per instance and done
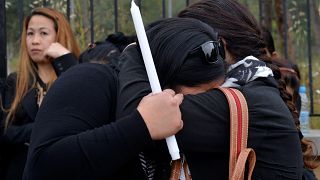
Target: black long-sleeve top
(14, 140)
(75, 136)
(204, 138)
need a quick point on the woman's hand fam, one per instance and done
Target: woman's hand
(161, 113)
(56, 50)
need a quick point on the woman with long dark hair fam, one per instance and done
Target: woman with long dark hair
(243, 37)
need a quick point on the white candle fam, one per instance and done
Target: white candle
(151, 70)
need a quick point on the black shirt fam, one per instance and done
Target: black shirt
(75, 136)
(14, 141)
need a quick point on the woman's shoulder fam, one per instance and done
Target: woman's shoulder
(131, 52)
(91, 70)
(205, 101)
(9, 85)
(87, 77)
(262, 89)
(11, 78)
(12, 75)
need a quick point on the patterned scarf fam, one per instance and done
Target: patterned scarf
(246, 70)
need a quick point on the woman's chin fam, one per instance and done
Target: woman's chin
(39, 60)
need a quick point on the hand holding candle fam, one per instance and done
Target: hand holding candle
(151, 70)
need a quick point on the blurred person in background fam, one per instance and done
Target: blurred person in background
(107, 51)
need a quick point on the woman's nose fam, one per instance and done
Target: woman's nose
(36, 39)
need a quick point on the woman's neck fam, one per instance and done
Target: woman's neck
(200, 88)
(45, 71)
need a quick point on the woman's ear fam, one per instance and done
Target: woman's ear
(221, 49)
(275, 55)
(228, 58)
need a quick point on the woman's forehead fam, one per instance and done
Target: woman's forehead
(40, 22)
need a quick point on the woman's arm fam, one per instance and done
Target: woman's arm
(2, 90)
(62, 58)
(133, 81)
(63, 63)
(75, 136)
(15, 134)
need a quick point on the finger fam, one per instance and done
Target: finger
(178, 98)
(150, 94)
(169, 91)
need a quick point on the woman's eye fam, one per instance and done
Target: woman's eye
(29, 33)
(44, 33)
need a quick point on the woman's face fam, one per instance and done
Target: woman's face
(40, 34)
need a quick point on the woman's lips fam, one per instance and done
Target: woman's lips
(36, 51)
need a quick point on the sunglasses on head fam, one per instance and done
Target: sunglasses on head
(209, 51)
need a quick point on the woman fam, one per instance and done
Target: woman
(249, 41)
(243, 36)
(205, 137)
(181, 48)
(101, 52)
(74, 135)
(48, 48)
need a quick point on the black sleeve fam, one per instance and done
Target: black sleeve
(9, 90)
(62, 63)
(75, 136)
(14, 134)
(2, 90)
(133, 81)
(196, 135)
(18, 134)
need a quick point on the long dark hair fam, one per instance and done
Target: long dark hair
(267, 36)
(171, 41)
(243, 36)
(233, 22)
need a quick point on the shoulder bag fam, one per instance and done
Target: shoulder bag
(239, 153)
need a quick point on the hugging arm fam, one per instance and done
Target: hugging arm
(75, 136)
(211, 107)
(133, 81)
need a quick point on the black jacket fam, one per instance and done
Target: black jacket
(2, 88)
(204, 138)
(14, 141)
(75, 136)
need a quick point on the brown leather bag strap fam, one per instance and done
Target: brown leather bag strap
(238, 134)
(246, 154)
(176, 166)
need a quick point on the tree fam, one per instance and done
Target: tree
(266, 13)
(316, 23)
(282, 29)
